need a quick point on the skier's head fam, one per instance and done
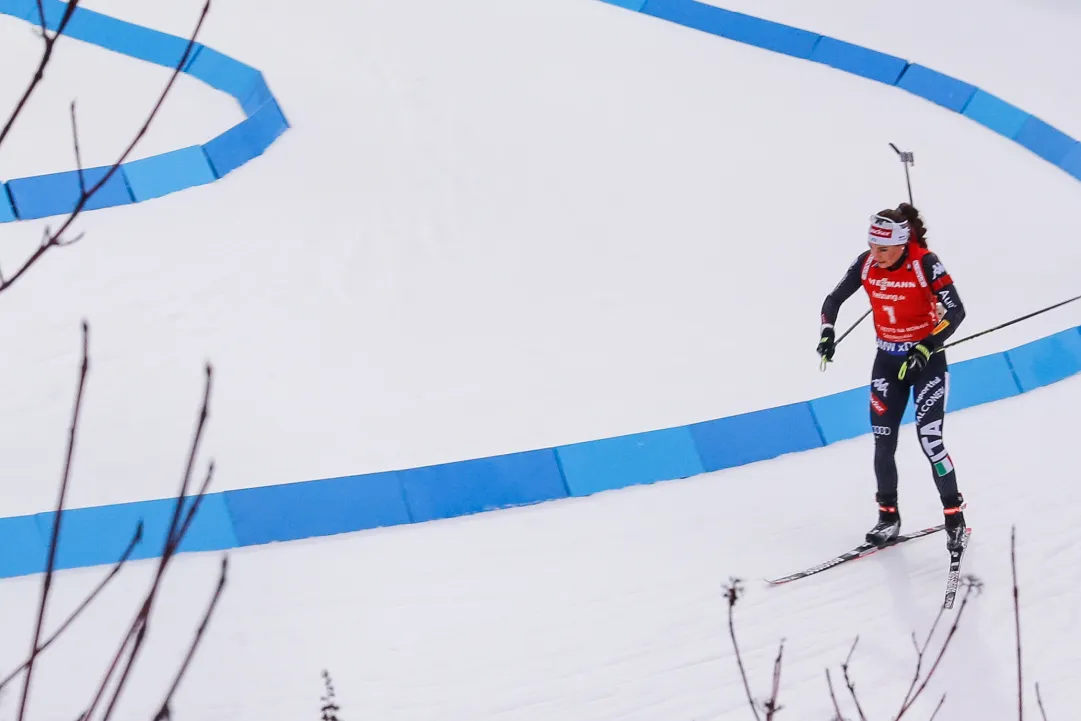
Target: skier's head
(891, 231)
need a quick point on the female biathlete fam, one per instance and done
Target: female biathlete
(915, 307)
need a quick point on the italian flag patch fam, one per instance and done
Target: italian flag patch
(944, 466)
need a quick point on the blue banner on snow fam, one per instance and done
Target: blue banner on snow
(623, 461)
(1047, 360)
(99, 534)
(996, 114)
(7, 213)
(42, 196)
(484, 484)
(316, 508)
(757, 436)
(734, 26)
(859, 60)
(246, 141)
(941, 89)
(167, 173)
(22, 548)
(1048, 142)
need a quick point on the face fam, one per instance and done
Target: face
(886, 255)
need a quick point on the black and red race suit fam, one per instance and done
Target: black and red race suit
(913, 301)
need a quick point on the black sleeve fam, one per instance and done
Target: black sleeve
(844, 290)
(944, 288)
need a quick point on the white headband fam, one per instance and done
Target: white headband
(885, 231)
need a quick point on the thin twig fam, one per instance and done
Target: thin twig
(732, 592)
(938, 708)
(920, 652)
(164, 712)
(1017, 623)
(1039, 701)
(50, 565)
(128, 637)
(833, 697)
(46, 56)
(972, 585)
(41, 17)
(135, 539)
(56, 239)
(174, 537)
(771, 706)
(848, 681)
(78, 154)
(172, 540)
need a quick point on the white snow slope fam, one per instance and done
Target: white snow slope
(498, 225)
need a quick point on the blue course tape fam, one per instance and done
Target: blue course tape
(1046, 141)
(339, 505)
(330, 506)
(158, 175)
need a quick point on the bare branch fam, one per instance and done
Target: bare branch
(1017, 623)
(164, 713)
(46, 56)
(971, 585)
(833, 697)
(938, 708)
(135, 539)
(1039, 701)
(732, 592)
(128, 637)
(173, 539)
(65, 242)
(848, 680)
(78, 155)
(56, 239)
(920, 652)
(50, 565)
(171, 544)
(771, 706)
(41, 19)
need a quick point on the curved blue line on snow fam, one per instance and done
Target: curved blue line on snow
(310, 509)
(98, 535)
(1051, 144)
(138, 180)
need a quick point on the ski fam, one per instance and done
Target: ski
(954, 578)
(861, 551)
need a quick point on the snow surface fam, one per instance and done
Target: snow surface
(499, 225)
(610, 607)
(582, 222)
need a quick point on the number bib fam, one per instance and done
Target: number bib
(902, 302)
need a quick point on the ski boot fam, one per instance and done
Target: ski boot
(889, 522)
(953, 512)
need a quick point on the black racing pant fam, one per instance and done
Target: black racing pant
(889, 398)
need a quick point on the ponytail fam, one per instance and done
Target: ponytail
(915, 223)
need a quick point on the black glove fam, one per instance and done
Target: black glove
(917, 359)
(826, 345)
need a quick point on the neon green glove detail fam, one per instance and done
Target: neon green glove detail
(917, 359)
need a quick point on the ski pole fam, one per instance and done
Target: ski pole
(907, 158)
(1008, 323)
(852, 328)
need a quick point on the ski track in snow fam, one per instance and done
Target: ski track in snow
(460, 249)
